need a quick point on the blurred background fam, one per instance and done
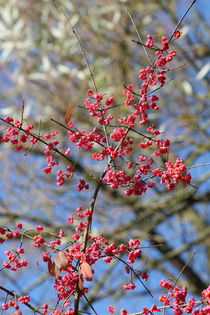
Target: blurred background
(42, 64)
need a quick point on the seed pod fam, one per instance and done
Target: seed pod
(69, 113)
(51, 267)
(86, 271)
(61, 260)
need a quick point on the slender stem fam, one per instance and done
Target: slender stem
(180, 21)
(198, 165)
(86, 61)
(80, 45)
(138, 34)
(140, 43)
(181, 272)
(135, 273)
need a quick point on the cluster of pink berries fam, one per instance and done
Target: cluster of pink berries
(73, 266)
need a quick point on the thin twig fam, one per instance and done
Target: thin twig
(198, 165)
(138, 34)
(180, 21)
(137, 276)
(187, 263)
(80, 45)
(59, 123)
(152, 47)
(22, 112)
(89, 303)
(87, 63)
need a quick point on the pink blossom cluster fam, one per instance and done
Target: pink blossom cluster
(14, 260)
(176, 300)
(176, 172)
(14, 136)
(62, 266)
(175, 297)
(8, 234)
(10, 303)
